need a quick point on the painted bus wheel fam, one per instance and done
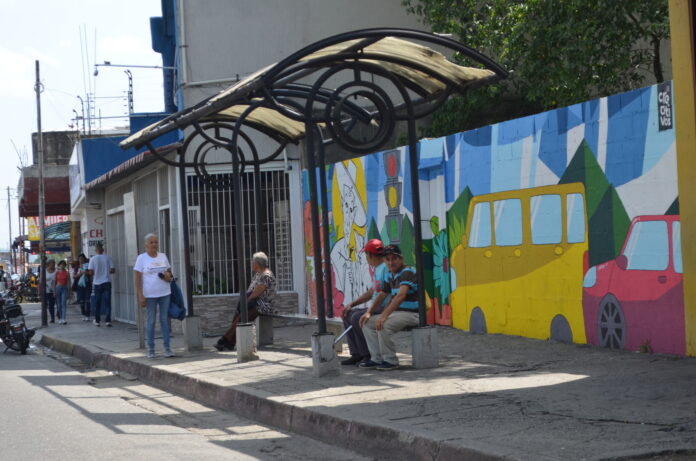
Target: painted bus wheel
(611, 324)
(477, 322)
(560, 330)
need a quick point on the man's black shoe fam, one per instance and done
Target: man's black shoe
(353, 360)
(223, 345)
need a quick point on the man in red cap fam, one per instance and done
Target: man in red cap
(359, 352)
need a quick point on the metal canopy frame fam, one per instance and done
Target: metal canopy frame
(340, 90)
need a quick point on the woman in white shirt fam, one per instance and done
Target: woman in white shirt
(153, 276)
(51, 288)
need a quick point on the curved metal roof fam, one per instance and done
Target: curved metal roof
(397, 52)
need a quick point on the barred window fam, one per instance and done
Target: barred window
(213, 234)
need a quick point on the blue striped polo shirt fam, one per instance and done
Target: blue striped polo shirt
(407, 276)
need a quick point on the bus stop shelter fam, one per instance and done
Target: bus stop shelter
(355, 91)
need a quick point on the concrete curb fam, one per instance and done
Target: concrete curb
(372, 440)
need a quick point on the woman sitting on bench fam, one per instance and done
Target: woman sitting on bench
(259, 295)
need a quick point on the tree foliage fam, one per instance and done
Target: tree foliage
(560, 52)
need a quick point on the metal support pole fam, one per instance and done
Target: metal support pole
(257, 207)
(239, 224)
(42, 204)
(185, 224)
(417, 230)
(325, 230)
(316, 241)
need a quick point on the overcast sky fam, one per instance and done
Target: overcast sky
(67, 37)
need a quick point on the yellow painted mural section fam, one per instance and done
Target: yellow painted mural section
(681, 31)
(521, 286)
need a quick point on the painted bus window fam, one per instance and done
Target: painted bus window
(481, 226)
(676, 247)
(575, 218)
(648, 247)
(546, 219)
(508, 222)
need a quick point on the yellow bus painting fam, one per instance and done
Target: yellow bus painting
(519, 266)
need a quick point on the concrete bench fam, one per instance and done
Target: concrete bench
(265, 322)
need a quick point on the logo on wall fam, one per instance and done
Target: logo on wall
(392, 195)
(664, 105)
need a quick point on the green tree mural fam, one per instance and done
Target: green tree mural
(607, 218)
(407, 242)
(456, 218)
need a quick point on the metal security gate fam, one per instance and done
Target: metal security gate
(213, 235)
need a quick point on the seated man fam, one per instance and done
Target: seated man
(401, 312)
(374, 251)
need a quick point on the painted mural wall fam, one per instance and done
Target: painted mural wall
(563, 225)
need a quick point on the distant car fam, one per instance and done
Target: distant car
(636, 301)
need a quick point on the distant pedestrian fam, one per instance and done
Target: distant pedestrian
(153, 276)
(259, 296)
(359, 352)
(62, 285)
(51, 289)
(100, 268)
(84, 287)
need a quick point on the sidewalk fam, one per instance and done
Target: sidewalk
(493, 397)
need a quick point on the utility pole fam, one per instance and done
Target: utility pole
(42, 204)
(9, 222)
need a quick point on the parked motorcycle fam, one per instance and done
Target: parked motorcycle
(13, 329)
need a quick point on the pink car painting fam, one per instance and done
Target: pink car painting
(636, 301)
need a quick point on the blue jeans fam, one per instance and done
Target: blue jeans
(61, 300)
(101, 301)
(51, 301)
(152, 304)
(83, 295)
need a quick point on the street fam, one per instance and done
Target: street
(54, 407)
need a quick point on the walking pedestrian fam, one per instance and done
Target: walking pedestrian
(359, 352)
(100, 268)
(62, 281)
(153, 275)
(260, 296)
(84, 287)
(51, 289)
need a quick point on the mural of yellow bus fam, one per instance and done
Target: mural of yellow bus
(519, 266)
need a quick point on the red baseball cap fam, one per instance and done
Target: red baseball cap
(374, 246)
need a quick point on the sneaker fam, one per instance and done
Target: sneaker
(368, 364)
(223, 345)
(151, 355)
(97, 323)
(85, 319)
(108, 324)
(168, 353)
(386, 366)
(353, 360)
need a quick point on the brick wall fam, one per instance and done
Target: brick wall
(216, 312)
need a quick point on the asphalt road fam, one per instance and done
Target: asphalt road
(50, 408)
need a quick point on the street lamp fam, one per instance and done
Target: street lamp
(108, 64)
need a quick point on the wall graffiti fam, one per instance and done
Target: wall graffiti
(563, 225)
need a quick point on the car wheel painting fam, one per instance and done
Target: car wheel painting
(611, 324)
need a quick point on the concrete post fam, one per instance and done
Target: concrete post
(246, 342)
(426, 350)
(324, 359)
(264, 330)
(192, 334)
